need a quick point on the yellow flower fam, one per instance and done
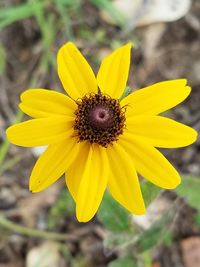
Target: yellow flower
(97, 140)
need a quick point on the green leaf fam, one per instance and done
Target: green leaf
(63, 206)
(168, 239)
(146, 258)
(126, 92)
(197, 218)
(114, 216)
(189, 189)
(126, 261)
(107, 5)
(157, 233)
(118, 240)
(10, 15)
(149, 191)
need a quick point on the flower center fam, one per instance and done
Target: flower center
(99, 119)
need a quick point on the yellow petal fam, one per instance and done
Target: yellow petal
(160, 132)
(113, 73)
(40, 132)
(52, 164)
(150, 163)
(75, 73)
(156, 98)
(93, 183)
(40, 103)
(123, 183)
(74, 173)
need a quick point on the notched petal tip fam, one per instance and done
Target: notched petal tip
(129, 45)
(126, 49)
(183, 81)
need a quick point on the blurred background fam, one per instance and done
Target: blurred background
(40, 230)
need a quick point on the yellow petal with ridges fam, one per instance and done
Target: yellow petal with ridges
(75, 73)
(93, 184)
(52, 164)
(123, 182)
(160, 132)
(74, 173)
(40, 132)
(113, 73)
(39, 103)
(156, 98)
(150, 163)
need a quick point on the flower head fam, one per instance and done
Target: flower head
(97, 140)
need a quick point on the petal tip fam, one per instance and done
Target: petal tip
(175, 183)
(187, 90)
(183, 81)
(32, 191)
(82, 218)
(141, 211)
(194, 136)
(35, 188)
(9, 134)
(129, 45)
(23, 95)
(67, 45)
(21, 106)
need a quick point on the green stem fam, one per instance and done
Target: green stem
(6, 144)
(27, 231)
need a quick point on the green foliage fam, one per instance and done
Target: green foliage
(12, 14)
(168, 239)
(112, 11)
(156, 234)
(72, 4)
(4, 148)
(197, 218)
(63, 206)
(113, 216)
(189, 189)
(3, 59)
(126, 261)
(149, 191)
(66, 9)
(126, 92)
(119, 240)
(146, 259)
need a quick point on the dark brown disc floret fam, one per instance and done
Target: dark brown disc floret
(99, 119)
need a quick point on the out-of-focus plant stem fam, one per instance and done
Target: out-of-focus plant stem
(6, 144)
(11, 226)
